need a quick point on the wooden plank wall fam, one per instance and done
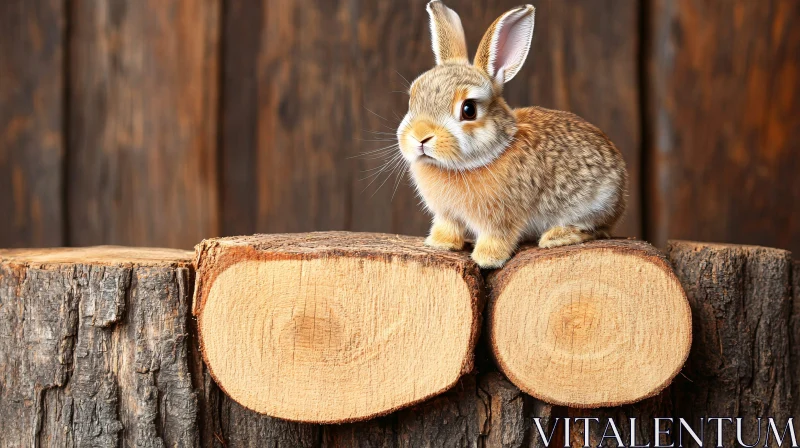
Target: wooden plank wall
(141, 159)
(32, 41)
(311, 100)
(724, 110)
(163, 122)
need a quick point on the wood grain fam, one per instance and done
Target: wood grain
(142, 116)
(32, 45)
(300, 81)
(724, 118)
(325, 327)
(483, 410)
(297, 103)
(559, 323)
(98, 349)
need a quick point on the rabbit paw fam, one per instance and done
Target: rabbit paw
(564, 236)
(445, 235)
(492, 253)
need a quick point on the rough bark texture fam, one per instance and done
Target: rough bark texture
(644, 412)
(95, 354)
(102, 354)
(739, 365)
(795, 337)
(483, 410)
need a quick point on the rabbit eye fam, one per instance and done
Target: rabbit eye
(469, 110)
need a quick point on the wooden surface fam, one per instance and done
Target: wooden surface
(143, 88)
(296, 105)
(297, 115)
(31, 122)
(334, 326)
(94, 354)
(99, 353)
(795, 336)
(598, 324)
(740, 362)
(724, 118)
(483, 410)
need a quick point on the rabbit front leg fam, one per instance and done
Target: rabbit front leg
(566, 235)
(492, 250)
(446, 234)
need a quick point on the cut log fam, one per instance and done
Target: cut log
(795, 336)
(598, 324)
(480, 411)
(740, 362)
(93, 352)
(93, 348)
(334, 326)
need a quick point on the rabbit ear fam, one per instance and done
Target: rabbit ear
(505, 45)
(447, 34)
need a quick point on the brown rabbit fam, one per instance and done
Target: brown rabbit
(502, 174)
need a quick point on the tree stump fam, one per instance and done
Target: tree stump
(93, 348)
(335, 326)
(604, 323)
(740, 362)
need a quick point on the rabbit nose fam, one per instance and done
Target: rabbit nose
(426, 139)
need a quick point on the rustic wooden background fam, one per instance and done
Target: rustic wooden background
(161, 122)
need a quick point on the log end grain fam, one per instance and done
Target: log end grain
(95, 255)
(334, 326)
(599, 324)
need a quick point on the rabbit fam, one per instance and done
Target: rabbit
(503, 175)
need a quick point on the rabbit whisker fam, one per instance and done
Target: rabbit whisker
(408, 84)
(398, 163)
(376, 174)
(400, 175)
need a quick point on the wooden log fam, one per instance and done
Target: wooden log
(795, 336)
(93, 348)
(96, 350)
(739, 363)
(481, 410)
(334, 326)
(598, 324)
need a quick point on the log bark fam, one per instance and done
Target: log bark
(598, 324)
(335, 326)
(795, 337)
(93, 348)
(740, 360)
(97, 348)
